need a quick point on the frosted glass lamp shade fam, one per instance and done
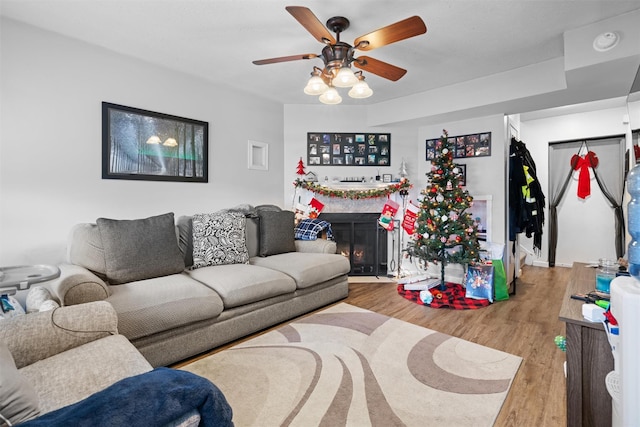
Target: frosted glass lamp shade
(315, 86)
(360, 90)
(153, 140)
(330, 96)
(344, 78)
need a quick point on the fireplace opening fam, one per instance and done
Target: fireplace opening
(360, 239)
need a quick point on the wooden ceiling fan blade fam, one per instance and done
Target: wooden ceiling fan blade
(285, 59)
(379, 68)
(401, 30)
(311, 23)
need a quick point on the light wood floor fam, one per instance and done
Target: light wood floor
(525, 325)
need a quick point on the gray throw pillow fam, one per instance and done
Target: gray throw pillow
(277, 233)
(185, 239)
(18, 399)
(219, 239)
(140, 249)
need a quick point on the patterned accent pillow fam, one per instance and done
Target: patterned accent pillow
(219, 239)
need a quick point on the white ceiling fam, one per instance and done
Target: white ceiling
(216, 40)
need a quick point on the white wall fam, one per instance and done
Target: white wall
(585, 228)
(50, 146)
(300, 119)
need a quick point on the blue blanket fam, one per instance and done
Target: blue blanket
(156, 398)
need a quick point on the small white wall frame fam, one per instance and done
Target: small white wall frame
(258, 155)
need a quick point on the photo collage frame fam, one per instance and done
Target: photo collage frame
(464, 146)
(348, 149)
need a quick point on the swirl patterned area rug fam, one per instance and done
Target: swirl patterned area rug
(346, 366)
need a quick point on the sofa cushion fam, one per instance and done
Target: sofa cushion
(18, 398)
(239, 284)
(84, 248)
(219, 238)
(68, 377)
(147, 307)
(277, 234)
(307, 269)
(140, 249)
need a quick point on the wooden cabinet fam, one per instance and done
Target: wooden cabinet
(589, 357)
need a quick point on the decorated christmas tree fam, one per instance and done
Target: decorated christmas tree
(445, 232)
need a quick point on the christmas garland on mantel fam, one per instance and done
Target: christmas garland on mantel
(371, 193)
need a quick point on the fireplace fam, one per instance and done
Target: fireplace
(360, 239)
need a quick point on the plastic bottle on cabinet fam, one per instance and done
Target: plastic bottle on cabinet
(633, 213)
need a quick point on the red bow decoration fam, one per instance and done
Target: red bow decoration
(590, 160)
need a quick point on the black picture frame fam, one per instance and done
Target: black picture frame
(463, 146)
(463, 173)
(146, 145)
(348, 149)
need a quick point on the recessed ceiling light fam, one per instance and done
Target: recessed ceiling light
(606, 41)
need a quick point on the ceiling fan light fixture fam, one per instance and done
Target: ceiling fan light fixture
(330, 96)
(344, 78)
(337, 56)
(315, 86)
(361, 89)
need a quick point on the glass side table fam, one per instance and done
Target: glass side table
(21, 277)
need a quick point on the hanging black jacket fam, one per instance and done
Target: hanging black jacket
(526, 211)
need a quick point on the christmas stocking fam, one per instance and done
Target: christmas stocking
(315, 207)
(410, 217)
(388, 212)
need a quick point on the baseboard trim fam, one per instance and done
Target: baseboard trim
(541, 264)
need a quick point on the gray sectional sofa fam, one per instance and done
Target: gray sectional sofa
(181, 288)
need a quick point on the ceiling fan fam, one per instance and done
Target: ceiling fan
(338, 56)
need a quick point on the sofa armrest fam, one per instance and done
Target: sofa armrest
(316, 246)
(37, 336)
(77, 285)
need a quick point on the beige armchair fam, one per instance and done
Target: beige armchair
(69, 353)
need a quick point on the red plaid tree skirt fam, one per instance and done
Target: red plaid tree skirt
(452, 297)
